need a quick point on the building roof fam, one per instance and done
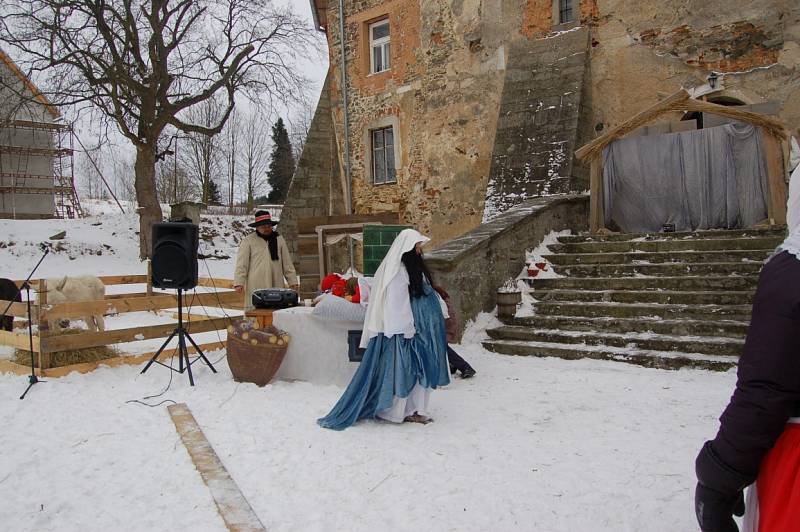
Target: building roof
(319, 10)
(679, 101)
(37, 94)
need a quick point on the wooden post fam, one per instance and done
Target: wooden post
(775, 179)
(149, 278)
(44, 327)
(596, 209)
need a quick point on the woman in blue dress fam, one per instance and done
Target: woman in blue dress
(405, 340)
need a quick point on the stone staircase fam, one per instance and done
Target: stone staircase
(659, 300)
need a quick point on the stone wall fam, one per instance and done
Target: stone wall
(473, 266)
(443, 92)
(316, 187)
(538, 124)
(643, 51)
(459, 67)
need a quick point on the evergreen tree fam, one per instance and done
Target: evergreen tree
(214, 197)
(282, 165)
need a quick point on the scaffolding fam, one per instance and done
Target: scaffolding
(36, 161)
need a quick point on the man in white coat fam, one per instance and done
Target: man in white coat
(263, 260)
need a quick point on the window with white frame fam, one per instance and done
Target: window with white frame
(383, 170)
(379, 46)
(564, 11)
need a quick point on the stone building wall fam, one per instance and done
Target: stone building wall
(316, 187)
(454, 64)
(643, 51)
(441, 94)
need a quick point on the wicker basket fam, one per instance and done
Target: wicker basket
(255, 353)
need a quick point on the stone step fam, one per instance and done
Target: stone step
(652, 359)
(687, 297)
(721, 328)
(708, 345)
(678, 235)
(670, 269)
(656, 257)
(665, 245)
(689, 283)
(631, 310)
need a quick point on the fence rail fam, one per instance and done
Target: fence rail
(45, 342)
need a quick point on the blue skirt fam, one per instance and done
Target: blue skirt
(394, 365)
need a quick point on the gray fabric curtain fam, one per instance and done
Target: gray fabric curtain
(709, 178)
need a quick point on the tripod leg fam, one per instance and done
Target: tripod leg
(185, 353)
(160, 349)
(200, 352)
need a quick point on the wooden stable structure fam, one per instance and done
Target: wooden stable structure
(45, 343)
(775, 135)
(311, 233)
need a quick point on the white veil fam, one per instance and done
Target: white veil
(374, 320)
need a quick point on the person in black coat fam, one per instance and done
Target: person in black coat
(767, 393)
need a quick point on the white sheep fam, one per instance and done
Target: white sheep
(74, 289)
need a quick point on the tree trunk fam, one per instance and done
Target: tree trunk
(149, 208)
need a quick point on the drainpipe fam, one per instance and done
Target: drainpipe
(347, 193)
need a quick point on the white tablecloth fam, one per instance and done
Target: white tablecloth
(318, 348)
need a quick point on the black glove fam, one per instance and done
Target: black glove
(719, 494)
(715, 510)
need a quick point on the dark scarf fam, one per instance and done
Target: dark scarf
(272, 243)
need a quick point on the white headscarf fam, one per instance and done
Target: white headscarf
(374, 321)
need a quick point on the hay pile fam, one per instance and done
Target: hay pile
(66, 358)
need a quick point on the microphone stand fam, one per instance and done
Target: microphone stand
(32, 379)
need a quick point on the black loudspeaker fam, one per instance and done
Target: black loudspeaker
(174, 261)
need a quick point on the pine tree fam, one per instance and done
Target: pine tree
(214, 197)
(281, 168)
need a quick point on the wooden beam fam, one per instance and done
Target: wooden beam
(137, 304)
(308, 225)
(133, 334)
(44, 327)
(86, 367)
(19, 340)
(232, 506)
(639, 119)
(775, 178)
(774, 125)
(218, 283)
(596, 203)
(123, 279)
(18, 310)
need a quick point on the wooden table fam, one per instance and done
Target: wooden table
(262, 315)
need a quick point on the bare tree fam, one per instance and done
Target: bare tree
(87, 176)
(231, 154)
(299, 126)
(255, 155)
(172, 182)
(143, 63)
(200, 152)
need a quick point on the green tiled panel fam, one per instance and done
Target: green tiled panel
(371, 237)
(377, 241)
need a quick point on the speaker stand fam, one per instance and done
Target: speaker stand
(183, 353)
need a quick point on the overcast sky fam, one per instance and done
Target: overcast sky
(117, 147)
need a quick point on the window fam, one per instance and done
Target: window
(564, 11)
(379, 46)
(383, 156)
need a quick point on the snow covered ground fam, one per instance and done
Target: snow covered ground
(528, 444)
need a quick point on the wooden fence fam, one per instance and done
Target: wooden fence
(45, 343)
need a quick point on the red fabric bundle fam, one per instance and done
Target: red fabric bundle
(356, 298)
(329, 280)
(339, 288)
